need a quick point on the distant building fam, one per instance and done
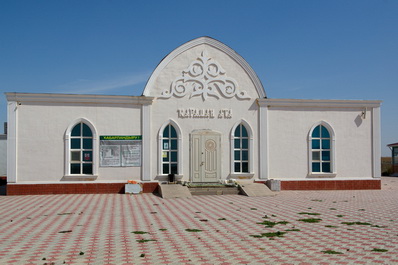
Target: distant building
(203, 116)
(3, 154)
(394, 158)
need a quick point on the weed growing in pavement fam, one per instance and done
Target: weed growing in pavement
(140, 232)
(331, 252)
(356, 223)
(162, 229)
(221, 219)
(145, 240)
(81, 253)
(309, 213)
(272, 224)
(203, 220)
(193, 230)
(379, 250)
(361, 210)
(333, 209)
(331, 226)
(64, 213)
(310, 220)
(340, 215)
(315, 200)
(270, 235)
(293, 230)
(65, 231)
(379, 226)
(142, 255)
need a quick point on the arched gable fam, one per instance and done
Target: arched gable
(226, 83)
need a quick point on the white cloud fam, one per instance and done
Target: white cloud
(86, 86)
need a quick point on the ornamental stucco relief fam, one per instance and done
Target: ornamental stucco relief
(204, 77)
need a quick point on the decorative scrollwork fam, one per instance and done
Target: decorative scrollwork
(204, 77)
(210, 145)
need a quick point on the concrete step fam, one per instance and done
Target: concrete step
(168, 191)
(223, 190)
(256, 190)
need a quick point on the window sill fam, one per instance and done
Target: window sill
(241, 175)
(79, 178)
(166, 177)
(322, 175)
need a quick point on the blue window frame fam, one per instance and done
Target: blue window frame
(241, 150)
(81, 150)
(321, 151)
(169, 150)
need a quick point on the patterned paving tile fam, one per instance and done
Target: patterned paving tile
(97, 228)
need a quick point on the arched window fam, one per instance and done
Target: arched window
(241, 150)
(321, 146)
(81, 150)
(169, 150)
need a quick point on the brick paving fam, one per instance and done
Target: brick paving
(98, 228)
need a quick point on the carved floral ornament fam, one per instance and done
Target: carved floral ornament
(204, 77)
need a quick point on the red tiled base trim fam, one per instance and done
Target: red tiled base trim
(75, 188)
(374, 184)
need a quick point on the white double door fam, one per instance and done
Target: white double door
(205, 156)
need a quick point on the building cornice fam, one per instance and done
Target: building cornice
(318, 103)
(77, 99)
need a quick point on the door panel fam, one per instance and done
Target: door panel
(205, 156)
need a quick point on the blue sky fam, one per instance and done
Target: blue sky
(299, 49)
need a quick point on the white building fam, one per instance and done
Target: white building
(204, 116)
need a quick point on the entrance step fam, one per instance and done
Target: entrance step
(208, 190)
(168, 191)
(256, 190)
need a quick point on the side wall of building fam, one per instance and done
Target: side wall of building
(355, 141)
(40, 137)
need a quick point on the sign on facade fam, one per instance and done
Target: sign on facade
(120, 151)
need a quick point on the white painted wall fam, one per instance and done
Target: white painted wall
(288, 146)
(41, 131)
(165, 109)
(38, 122)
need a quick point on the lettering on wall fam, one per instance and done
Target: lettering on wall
(194, 113)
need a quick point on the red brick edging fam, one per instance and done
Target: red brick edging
(373, 184)
(74, 188)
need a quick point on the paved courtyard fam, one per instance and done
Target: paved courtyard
(348, 227)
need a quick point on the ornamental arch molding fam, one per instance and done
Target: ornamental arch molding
(222, 86)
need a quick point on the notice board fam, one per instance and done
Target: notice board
(120, 150)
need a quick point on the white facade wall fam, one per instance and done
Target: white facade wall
(278, 144)
(166, 109)
(41, 130)
(354, 148)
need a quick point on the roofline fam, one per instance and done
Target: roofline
(77, 98)
(321, 103)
